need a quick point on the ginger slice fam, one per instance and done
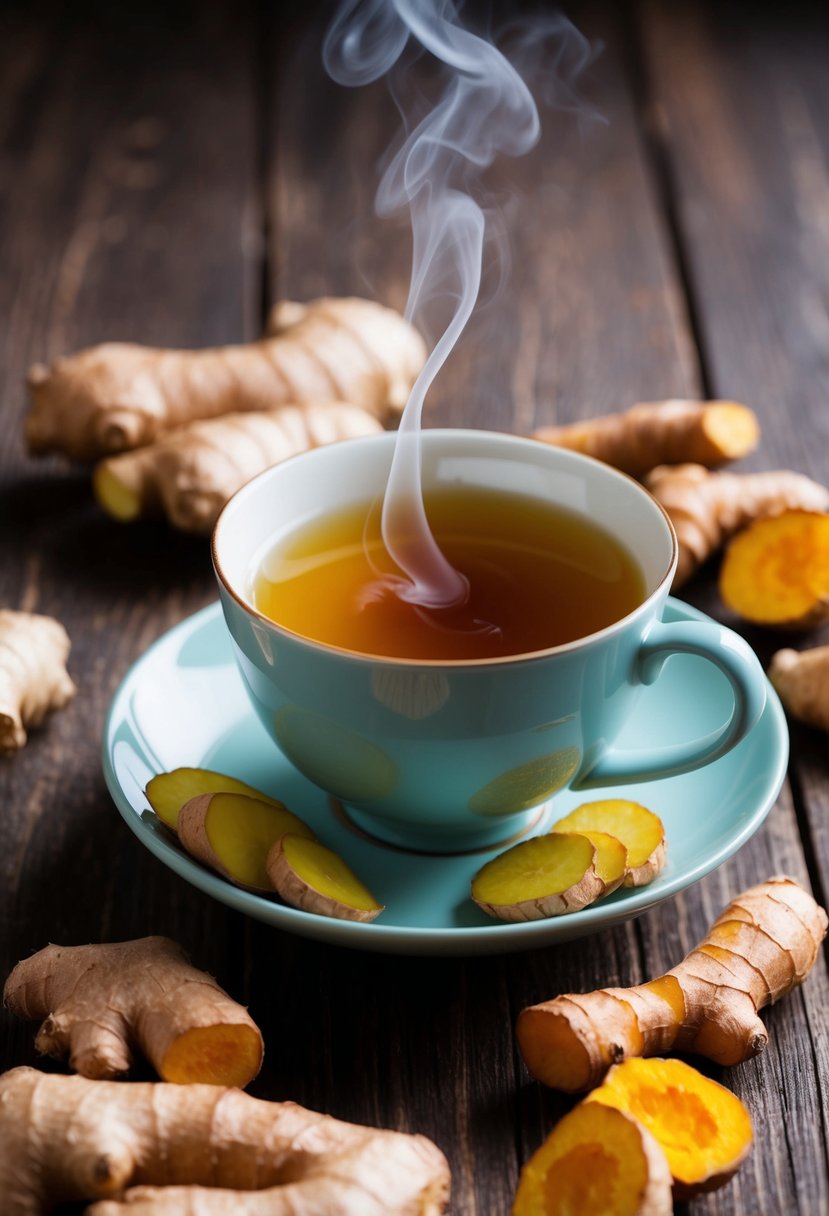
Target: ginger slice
(708, 1004)
(100, 1001)
(233, 834)
(801, 679)
(638, 439)
(702, 1127)
(545, 876)
(201, 1148)
(312, 877)
(168, 792)
(640, 831)
(33, 676)
(776, 572)
(611, 859)
(596, 1161)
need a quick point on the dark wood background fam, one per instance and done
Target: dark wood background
(169, 170)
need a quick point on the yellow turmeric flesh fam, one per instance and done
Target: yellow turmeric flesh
(761, 947)
(545, 876)
(99, 1002)
(597, 1161)
(641, 832)
(168, 792)
(704, 1130)
(153, 1149)
(776, 572)
(638, 439)
(312, 877)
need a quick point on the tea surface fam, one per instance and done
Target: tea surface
(538, 576)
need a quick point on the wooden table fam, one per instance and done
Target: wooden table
(167, 172)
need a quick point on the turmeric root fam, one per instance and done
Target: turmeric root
(100, 1001)
(776, 572)
(663, 432)
(597, 1160)
(801, 679)
(545, 876)
(233, 833)
(168, 792)
(309, 876)
(119, 395)
(708, 508)
(640, 831)
(190, 472)
(762, 946)
(33, 675)
(703, 1128)
(201, 1148)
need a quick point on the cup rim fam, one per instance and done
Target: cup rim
(397, 661)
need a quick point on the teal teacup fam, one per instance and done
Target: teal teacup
(451, 755)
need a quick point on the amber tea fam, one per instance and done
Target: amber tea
(538, 575)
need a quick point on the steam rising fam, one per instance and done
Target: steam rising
(485, 109)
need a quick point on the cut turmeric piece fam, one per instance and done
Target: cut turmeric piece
(702, 1127)
(312, 877)
(168, 792)
(233, 834)
(776, 572)
(640, 831)
(596, 1161)
(611, 859)
(546, 876)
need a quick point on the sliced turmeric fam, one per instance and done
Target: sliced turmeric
(545, 876)
(312, 877)
(120, 395)
(776, 572)
(98, 1002)
(168, 792)
(190, 472)
(761, 947)
(233, 834)
(597, 1161)
(703, 1128)
(707, 508)
(641, 832)
(638, 439)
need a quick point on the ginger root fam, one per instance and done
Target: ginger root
(309, 876)
(200, 1148)
(168, 792)
(801, 679)
(663, 432)
(703, 1128)
(708, 508)
(761, 947)
(190, 472)
(776, 572)
(233, 834)
(545, 876)
(33, 675)
(100, 1001)
(116, 396)
(639, 830)
(596, 1161)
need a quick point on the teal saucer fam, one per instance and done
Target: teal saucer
(183, 703)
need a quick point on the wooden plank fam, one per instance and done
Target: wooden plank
(747, 195)
(130, 177)
(592, 318)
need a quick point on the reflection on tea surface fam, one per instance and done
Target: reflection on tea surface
(537, 576)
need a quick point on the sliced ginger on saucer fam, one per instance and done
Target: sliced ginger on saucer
(311, 877)
(640, 831)
(545, 876)
(168, 792)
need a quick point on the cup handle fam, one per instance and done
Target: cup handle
(735, 659)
